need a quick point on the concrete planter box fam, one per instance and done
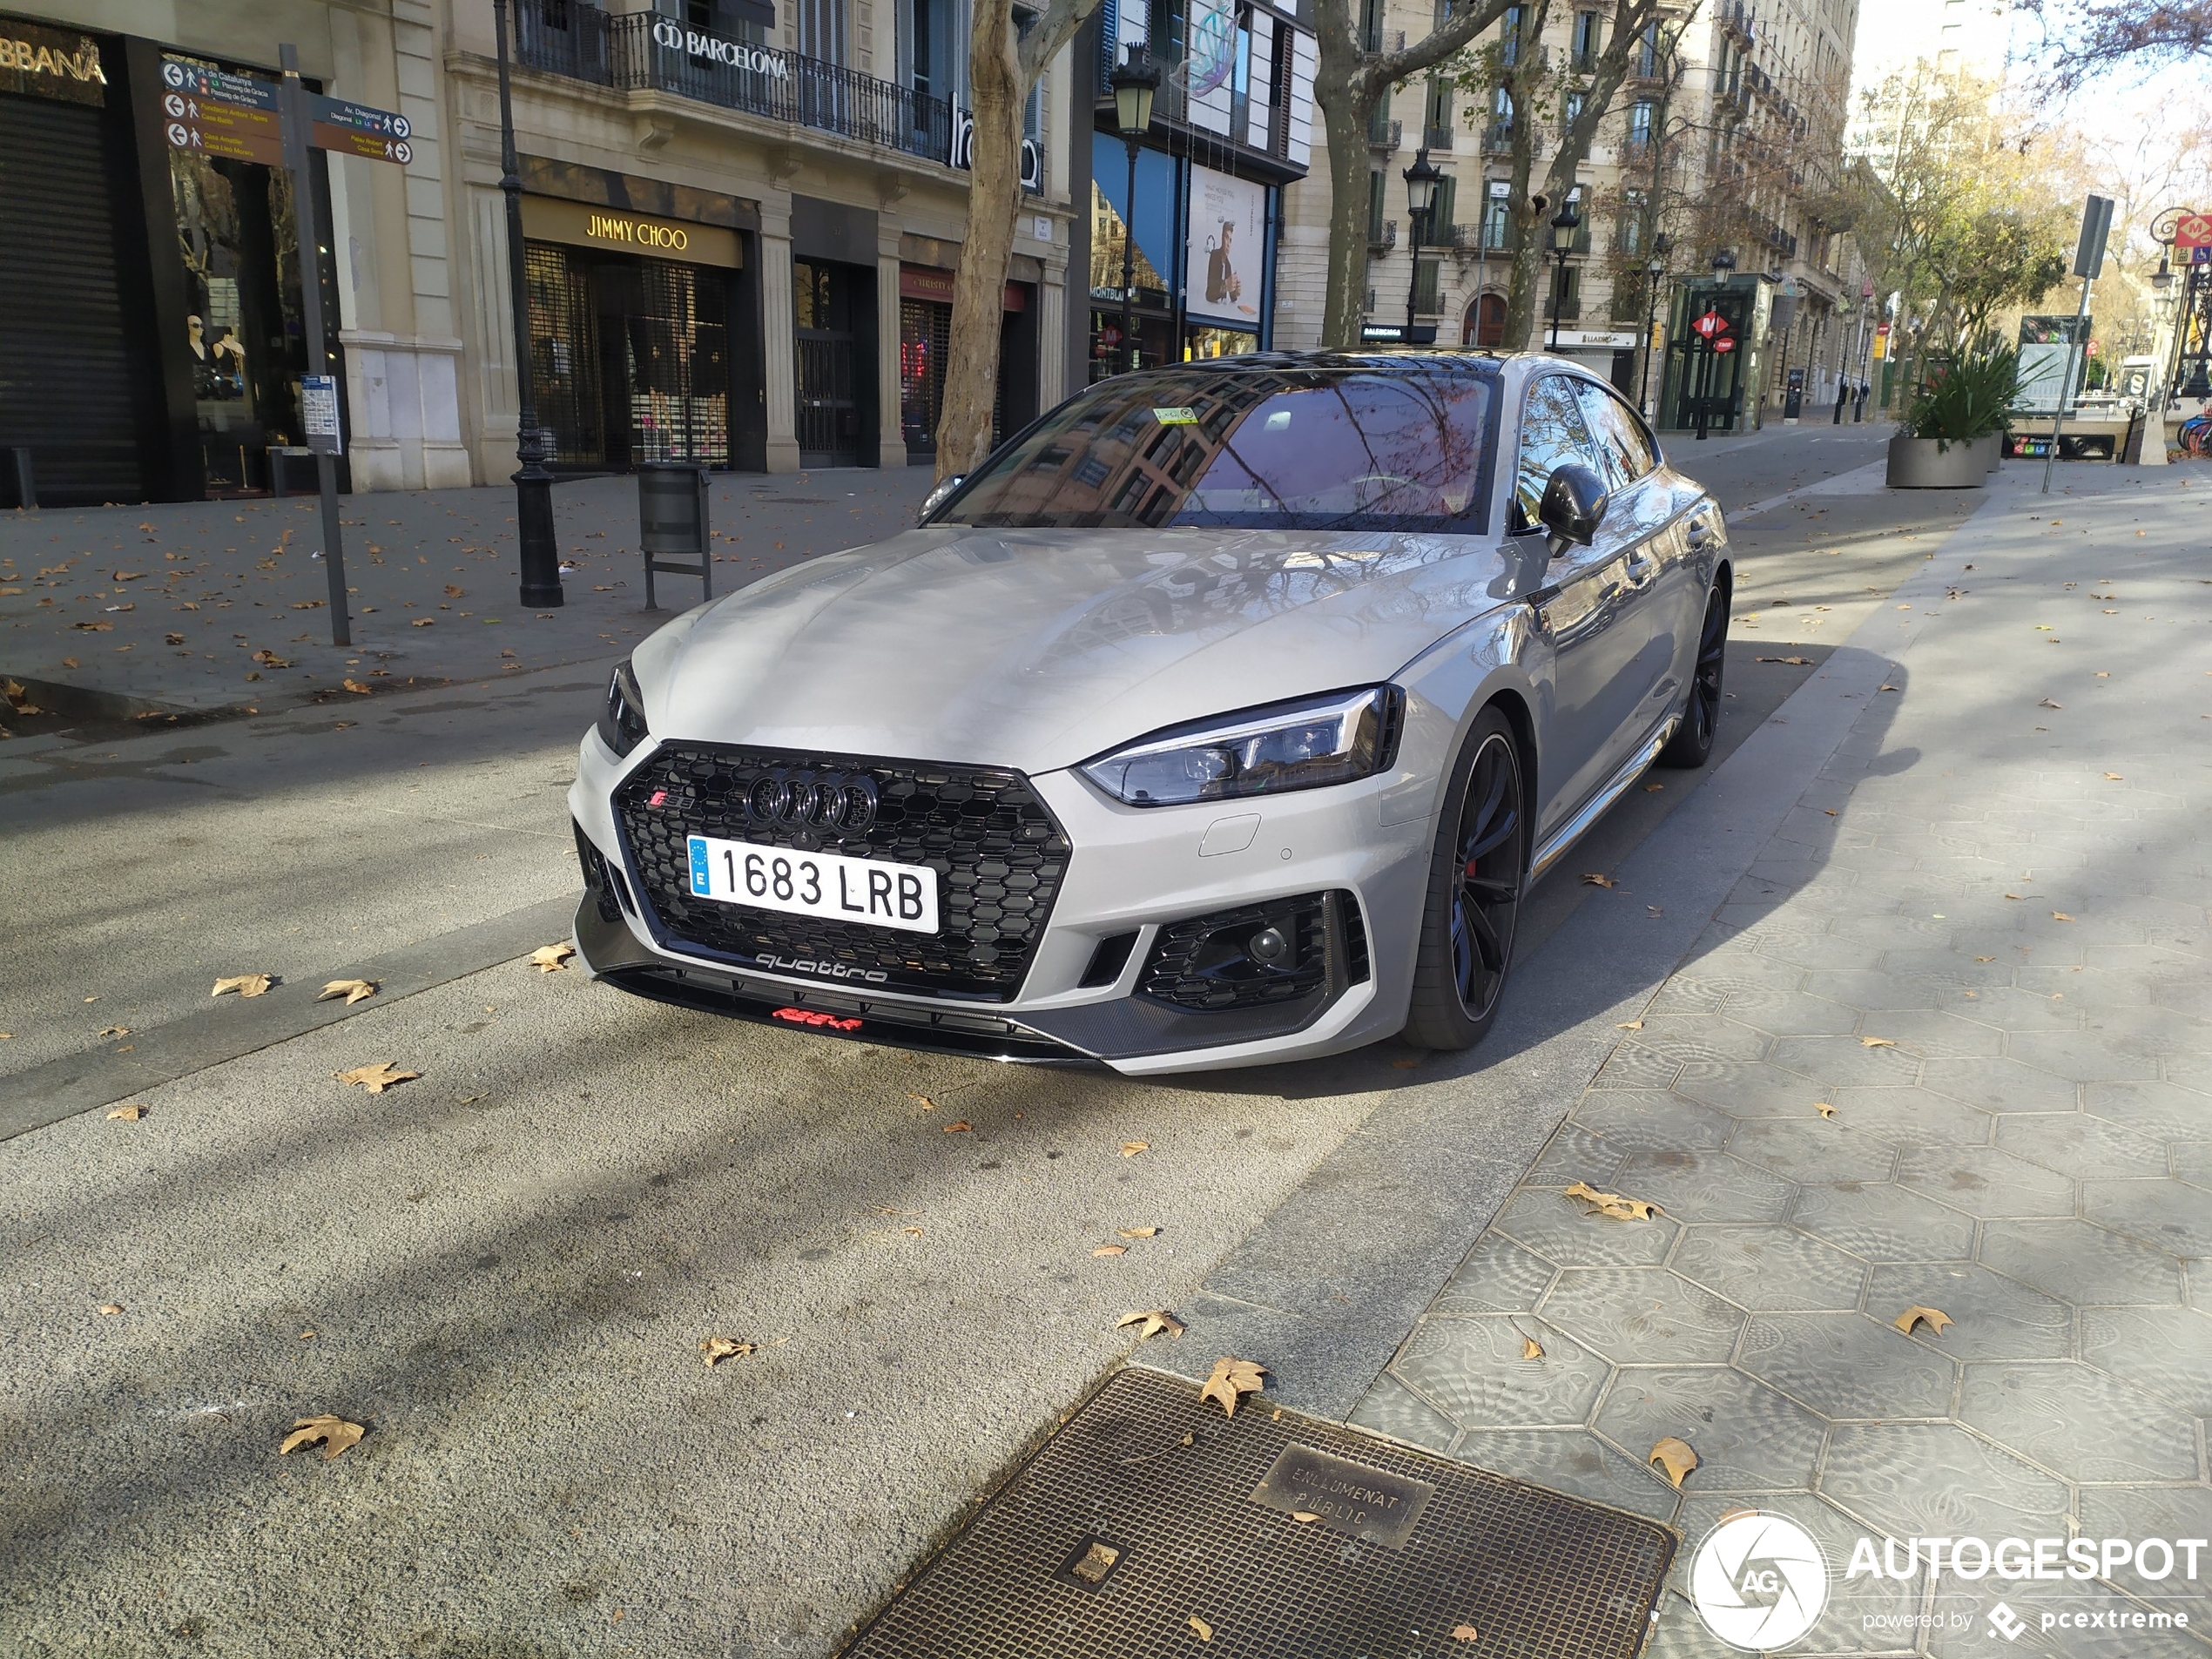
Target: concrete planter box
(1916, 463)
(1991, 446)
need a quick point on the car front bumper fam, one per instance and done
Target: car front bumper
(1131, 871)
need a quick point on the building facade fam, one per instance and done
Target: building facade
(1725, 134)
(741, 222)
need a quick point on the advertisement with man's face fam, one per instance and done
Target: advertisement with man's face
(1226, 249)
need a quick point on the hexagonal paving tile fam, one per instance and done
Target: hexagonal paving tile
(2081, 1264)
(1473, 1370)
(1747, 1437)
(1847, 1365)
(1983, 1181)
(1630, 1067)
(1755, 1089)
(2078, 1421)
(2010, 1009)
(2078, 1144)
(1864, 1616)
(1700, 1039)
(1555, 1228)
(1706, 1186)
(2161, 1110)
(1933, 1035)
(1643, 1315)
(1647, 1120)
(1572, 1154)
(2082, 1057)
(1842, 1062)
(1812, 1150)
(1785, 1014)
(1913, 1116)
(1771, 1267)
(2150, 1512)
(1570, 1460)
(1884, 1223)
(1497, 1277)
(2166, 1215)
(1882, 991)
(2166, 1351)
(1964, 1630)
(1390, 1407)
(2004, 1085)
(1992, 1317)
(1938, 1481)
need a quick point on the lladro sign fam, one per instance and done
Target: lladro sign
(735, 54)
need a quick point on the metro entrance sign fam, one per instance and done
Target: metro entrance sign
(1710, 324)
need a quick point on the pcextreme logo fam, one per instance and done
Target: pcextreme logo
(1758, 1581)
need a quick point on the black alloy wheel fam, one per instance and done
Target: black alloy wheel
(1477, 878)
(1692, 744)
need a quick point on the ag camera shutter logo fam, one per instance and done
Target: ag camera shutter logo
(1758, 1581)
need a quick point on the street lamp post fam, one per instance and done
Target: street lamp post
(1723, 263)
(540, 563)
(1421, 200)
(1565, 223)
(1134, 83)
(1653, 268)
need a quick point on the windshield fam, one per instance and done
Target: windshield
(1249, 448)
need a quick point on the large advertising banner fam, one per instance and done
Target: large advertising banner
(2052, 362)
(1225, 249)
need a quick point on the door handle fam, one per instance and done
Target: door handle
(1701, 534)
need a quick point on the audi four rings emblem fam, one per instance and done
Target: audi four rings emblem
(843, 802)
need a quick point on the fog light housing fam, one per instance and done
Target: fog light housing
(1258, 955)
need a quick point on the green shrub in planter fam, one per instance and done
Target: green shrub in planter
(1972, 398)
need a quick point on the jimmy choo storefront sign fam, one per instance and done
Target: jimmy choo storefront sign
(583, 224)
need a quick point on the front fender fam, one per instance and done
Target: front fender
(1501, 654)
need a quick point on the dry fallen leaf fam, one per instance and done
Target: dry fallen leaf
(352, 989)
(244, 984)
(1934, 1319)
(1231, 1378)
(1204, 1630)
(1675, 1458)
(548, 958)
(130, 1114)
(1150, 1322)
(1466, 1633)
(2114, 778)
(927, 1104)
(355, 686)
(1629, 1025)
(1598, 879)
(113, 1030)
(715, 1349)
(1531, 1349)
(335, 1433)
(1305, 1517)
(2061, 915)
(110, 1308)
(1824, 1109)
(1878, 1042)
(1111, 1250)
(958, 1126)
(1130, 1149)
(1612, 1204)
(376, 1078)
(2047, 703)
(1138, 1232)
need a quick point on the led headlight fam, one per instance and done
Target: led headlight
(1329, 739)
(622, 717)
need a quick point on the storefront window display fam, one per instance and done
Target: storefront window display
(1202, 342)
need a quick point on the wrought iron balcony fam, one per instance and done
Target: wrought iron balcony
(1382, 238)
(1384, 135)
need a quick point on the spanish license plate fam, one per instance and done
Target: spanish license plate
(828, 885)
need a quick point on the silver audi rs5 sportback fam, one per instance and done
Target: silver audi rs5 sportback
(1224, 715)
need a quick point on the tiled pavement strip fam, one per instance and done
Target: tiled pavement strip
(1981, 937)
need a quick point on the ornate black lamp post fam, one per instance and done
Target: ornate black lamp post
(541, 556)
(1565, 224)
(1653, 268)
(1421, 202)
(1135, 83)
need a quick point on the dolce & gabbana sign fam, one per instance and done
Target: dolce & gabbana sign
(733, 54)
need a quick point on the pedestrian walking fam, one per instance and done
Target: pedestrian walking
(1858, 407)
(1842, 396)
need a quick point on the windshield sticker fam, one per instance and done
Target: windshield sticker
(1183, 416)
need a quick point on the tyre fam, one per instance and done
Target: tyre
(1692, 744)
(1478, 873)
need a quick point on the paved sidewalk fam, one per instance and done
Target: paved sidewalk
(1981, 938)
(183, 606)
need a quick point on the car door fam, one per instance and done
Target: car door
(1581, 606)
(1664, 604)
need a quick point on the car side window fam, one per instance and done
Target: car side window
(1552, 434)
(1621, 438)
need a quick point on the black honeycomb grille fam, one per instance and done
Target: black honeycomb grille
(999, 852)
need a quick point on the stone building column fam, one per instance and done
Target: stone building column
(778, 343)
(891, 438)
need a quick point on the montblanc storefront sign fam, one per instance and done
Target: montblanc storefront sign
(732, 54)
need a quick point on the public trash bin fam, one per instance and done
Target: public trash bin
(671, 524)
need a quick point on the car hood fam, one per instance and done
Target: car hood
(1038, 649)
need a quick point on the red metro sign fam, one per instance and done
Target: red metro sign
(1710, 324)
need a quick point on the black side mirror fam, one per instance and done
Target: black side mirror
(1574, 507)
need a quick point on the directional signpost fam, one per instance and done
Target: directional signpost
(228, 117)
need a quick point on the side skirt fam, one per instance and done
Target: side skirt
(1555, 847)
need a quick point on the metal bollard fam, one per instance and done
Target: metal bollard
(671, 521)
(26, 480)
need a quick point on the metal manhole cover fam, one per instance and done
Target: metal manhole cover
(1116, 1535)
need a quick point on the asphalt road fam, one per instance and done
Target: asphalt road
(503, 1267)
